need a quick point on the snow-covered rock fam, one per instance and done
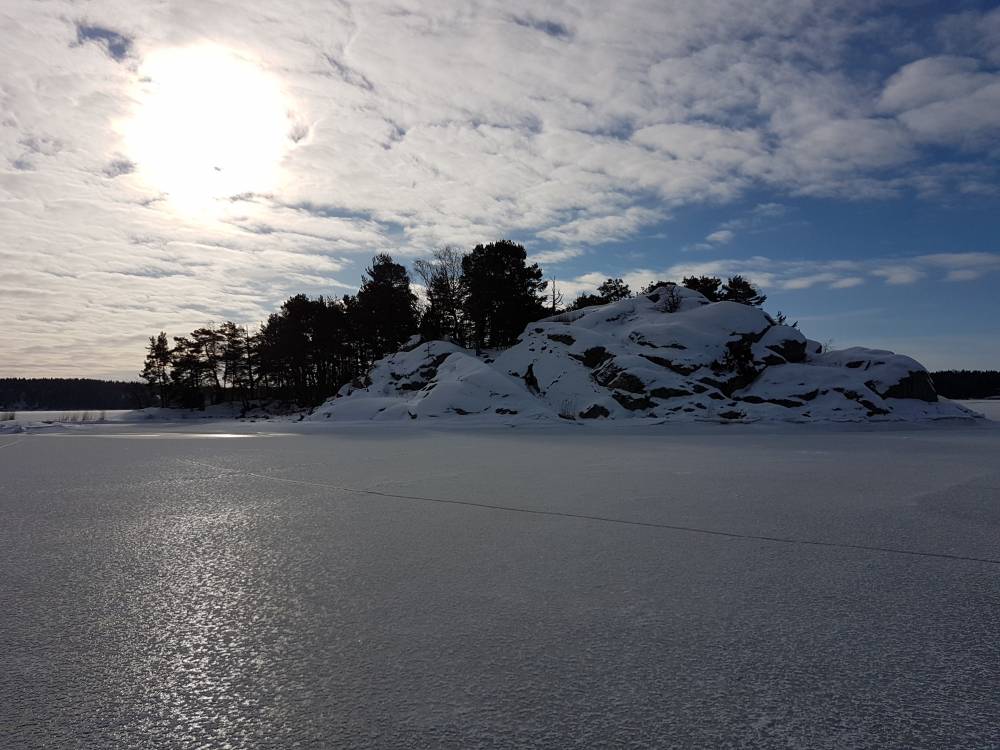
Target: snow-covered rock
(668, 355)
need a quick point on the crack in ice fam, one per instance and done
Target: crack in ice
(603, 519)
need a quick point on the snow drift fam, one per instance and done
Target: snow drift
(668, 355)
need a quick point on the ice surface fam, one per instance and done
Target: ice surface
(36, 421)
(989, 408)
(394, 585)
(669, 356)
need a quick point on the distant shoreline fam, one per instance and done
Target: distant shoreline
(58, 394)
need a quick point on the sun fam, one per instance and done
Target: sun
(208, 124)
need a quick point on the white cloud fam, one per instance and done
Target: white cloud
(805, 274)
(972, 32)
(963, 275)
(420, 124)
(930, 80)
(847, 282)
(806, 282)
(552, 257)
(769, 210)
(899, 274)
(593, 230)
(760, 218)
(945, 99)
(963, 266)
(721, 236)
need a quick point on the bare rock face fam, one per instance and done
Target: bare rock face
(917, 384)
(669, 355)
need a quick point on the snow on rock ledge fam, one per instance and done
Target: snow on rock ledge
(669, 355)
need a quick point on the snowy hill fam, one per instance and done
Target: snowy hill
(669, 355)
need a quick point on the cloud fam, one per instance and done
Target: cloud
(847, 282)
(972, 32)
(806, 282)
(553, 257)
(422, 124)
(592, 230)
(762, 216)
(898, 274)
(759, 218)
(769, 210)
(966, 274)
(804, 274)
(945, 99)
(721, 237)
(963, 266)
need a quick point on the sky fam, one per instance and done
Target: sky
(164, 165)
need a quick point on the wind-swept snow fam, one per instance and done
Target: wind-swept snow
(669, 355)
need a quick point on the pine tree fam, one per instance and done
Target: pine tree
(610, 290)
(709, 286)
(587, 300)
(653, 285)
(287, 348)
(738, 289)
(503, 293)
(210, 343)
(156, 369)
(187, 372)
(386, 307)
(614, 290)
(237, 365)
(333, 347)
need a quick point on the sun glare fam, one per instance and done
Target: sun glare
(208, 124)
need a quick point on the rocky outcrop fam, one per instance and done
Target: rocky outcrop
(670, 355)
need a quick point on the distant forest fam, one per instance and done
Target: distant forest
(310, 347)
(967, 383)
(53, 394)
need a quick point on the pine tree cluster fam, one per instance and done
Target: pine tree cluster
(311, 346)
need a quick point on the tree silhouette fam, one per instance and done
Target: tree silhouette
(76, 393)
(503, 293)
(614, 290)
(156, 369)
(442, 276)
(587, 300)
(188, 370)
(209, 343)
(652, 285)
(739, 289)
(610, 290)
(289, 359)
(555, 297)
(386, 310)
(237, 362)
(709, 286)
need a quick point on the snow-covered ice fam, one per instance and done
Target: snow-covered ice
(401, 585)
(989, 408)
(62, 419)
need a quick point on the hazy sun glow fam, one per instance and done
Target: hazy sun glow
(208, 124)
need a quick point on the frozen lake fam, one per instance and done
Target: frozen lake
(23, 416)
(396, 586)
